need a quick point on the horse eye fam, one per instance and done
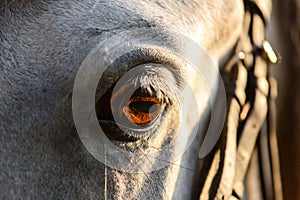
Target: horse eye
(138, 109)
(137, 103)
(142, 110)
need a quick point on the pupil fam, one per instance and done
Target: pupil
(144, 106)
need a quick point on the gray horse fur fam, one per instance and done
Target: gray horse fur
(42, 45)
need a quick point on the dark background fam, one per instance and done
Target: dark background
(284, 34)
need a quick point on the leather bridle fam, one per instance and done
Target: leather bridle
(249, 137)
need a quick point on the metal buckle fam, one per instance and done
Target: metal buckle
(269, 53)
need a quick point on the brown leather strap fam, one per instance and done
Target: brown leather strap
(247, 81)
(256, 116)
(273, 143)
(263, 6)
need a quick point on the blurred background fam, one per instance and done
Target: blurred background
(284, 35)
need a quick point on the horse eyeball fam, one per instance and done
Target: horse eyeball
(142, 110)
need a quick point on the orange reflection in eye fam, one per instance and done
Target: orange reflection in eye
(142, 110)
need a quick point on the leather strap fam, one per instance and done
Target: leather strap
(264, 7)
(250, 101)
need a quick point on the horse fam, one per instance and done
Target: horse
(131, 57)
